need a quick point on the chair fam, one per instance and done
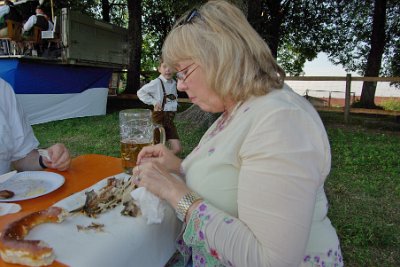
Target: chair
(51, 35)
(14, 30)
(36, 37)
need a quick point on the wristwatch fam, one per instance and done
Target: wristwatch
(185, 203)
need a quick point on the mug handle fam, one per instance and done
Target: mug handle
(162, 134)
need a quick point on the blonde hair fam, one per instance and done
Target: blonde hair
(237, 61)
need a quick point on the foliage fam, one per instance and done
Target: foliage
(352, 26)
(303, 33)
(294, 30)
(364, 197)
(158, 19)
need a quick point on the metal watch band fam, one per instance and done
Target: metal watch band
(185, 203)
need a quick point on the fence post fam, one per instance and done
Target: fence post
(347, 98)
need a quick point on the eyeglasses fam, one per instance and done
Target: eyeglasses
(182, 75)
(189, 18)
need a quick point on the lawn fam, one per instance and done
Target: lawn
(363, 187)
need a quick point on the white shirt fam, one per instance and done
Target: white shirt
(152, 93)
(32, 21)
(263, 172)
(4, 10)
(16, 135)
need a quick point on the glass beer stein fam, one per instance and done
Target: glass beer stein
(137, 130)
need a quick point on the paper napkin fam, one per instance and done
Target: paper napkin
(152, 207)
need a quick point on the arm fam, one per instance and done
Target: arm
(29, 163)
(149, 93)
(278, 180)
(4, 10)
(29, 24)
(59, 160)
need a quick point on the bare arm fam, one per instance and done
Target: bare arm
(59, 159)
(28, 163)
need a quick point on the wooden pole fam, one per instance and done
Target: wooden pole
(347, 98)
(52, 11)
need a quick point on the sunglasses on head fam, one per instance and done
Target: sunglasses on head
(189, 18)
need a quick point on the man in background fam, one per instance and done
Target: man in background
(7, 12)
(40, 19)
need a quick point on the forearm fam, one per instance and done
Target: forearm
(147, 96)
(29, 163)
(228, 240)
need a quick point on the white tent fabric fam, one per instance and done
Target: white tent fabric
(40, 108)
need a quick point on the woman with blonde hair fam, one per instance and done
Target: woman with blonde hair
(253, 190)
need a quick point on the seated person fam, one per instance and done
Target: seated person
(8, 12)
(40, 20)
(18, 144)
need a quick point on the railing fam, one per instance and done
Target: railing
(352, 100)
(349, 79)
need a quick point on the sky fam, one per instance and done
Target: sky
(321, 66)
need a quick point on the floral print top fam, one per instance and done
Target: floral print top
(261, 172)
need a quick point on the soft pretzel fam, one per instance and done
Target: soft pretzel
(13, 247)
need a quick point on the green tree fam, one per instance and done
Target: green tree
(367, 41)
(294, 30)
(363, 36)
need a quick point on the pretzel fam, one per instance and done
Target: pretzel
(13, 247)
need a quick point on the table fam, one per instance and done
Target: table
(85, 171)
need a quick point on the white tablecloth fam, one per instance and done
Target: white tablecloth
(126, 241)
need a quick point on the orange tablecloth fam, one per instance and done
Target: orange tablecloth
(85, 171)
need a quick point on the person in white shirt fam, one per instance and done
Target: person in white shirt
(40, 19)
(252, 191)
(8, 11)
(162, 95)
(18, 144)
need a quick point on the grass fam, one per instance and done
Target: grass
(363, 187)
(391, 104)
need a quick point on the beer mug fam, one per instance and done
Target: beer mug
(136, 131)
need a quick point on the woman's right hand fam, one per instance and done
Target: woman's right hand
(161, 154)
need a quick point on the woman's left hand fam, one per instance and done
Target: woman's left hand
(156, 179)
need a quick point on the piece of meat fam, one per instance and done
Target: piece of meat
(115, 192)
(5, 194)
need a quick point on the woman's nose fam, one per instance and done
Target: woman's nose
(180, 85)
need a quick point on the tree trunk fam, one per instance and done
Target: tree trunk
(135, 43)
(375, 55)
(274, 29)
(197, 118)
(105, 10)
(254, 14)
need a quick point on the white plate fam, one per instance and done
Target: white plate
(31, 184)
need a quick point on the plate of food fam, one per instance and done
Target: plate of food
(30, 184)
